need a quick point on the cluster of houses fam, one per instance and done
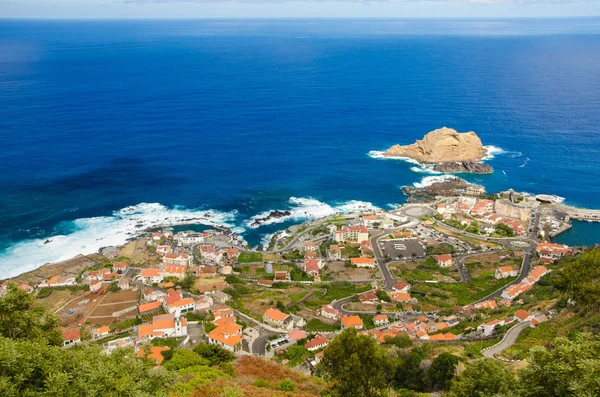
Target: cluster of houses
(281, 320)
(549, 252)
(520, 316)
(533, 277)
(421, 329)
(487, 213)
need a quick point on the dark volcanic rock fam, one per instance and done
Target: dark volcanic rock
(272, 215)
(465, 166)
(449, 187)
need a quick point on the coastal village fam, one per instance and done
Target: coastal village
(453, 270)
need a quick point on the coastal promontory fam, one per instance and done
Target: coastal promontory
(441, 146)
(450, 150)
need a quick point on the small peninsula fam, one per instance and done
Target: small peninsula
(448, 149)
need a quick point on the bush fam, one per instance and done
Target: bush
(216, 355)
(260, 382)
(287, 385)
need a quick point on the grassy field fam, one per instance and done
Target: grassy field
(418, 271)
(471, 240)
(563, 325)
(315, 325)
(446, 295)
(248, 257)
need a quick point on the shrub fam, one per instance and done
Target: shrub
(260, 382)
(287, 385)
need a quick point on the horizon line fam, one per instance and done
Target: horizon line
(294, 18)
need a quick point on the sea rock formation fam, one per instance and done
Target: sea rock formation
(272, 215)
(447, 188)
(463, 166)
(442, 146)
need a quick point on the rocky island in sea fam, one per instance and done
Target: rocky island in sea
(449, 151)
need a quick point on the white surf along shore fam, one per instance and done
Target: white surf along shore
(88, 235)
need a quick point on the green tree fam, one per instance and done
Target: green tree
(564, 368)
(357, 365)
(400, 340)
(484, 378)
(280, 306)
(409, 373)
(188, 281)
(114, 287)
(583, 279)
(183, 358)
(19, 320)
(382, 295)
(34, 368)
(215, 354)
(296, 355)
(504, 230)
(442, 371)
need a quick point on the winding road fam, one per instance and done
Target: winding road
(509, 339)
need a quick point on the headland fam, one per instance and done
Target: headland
(448, 149)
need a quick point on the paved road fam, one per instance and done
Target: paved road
(388, 277)
(509, 339)
(526, 264)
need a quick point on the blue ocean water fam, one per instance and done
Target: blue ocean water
(239, 117)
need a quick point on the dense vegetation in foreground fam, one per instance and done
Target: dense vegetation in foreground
(32, 363)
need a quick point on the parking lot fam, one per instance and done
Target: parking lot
(402, 248)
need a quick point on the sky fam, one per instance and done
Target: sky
(127, 9)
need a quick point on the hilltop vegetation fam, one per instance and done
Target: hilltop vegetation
(563, 357)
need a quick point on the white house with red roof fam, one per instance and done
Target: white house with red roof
(318, 342)
(310, 246)
(505, 272)
(363, 262)
(120, 267)
(488, 328)
(444, 260)
(163, 249)
(334, 252)
(163, 326)
(353, 234)
(401, 286)
(177, 259)
(95, 285)
(211, 254)
(150, 276)
(311, 266)
(175, 270)
(328, 311)
(71, 336)
(176, 304)
(551, 251)
(523, 315)
(482, 208)
(228, 335)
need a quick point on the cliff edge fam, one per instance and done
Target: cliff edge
(442, 146)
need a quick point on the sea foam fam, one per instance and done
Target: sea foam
(430, 180)
(90, 234)
(304, 208)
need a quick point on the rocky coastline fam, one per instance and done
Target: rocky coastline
(464, 166)
(272, 215)
(449, 187)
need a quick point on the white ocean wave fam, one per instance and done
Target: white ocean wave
(492, 151)
(304, 208)
(378, 154)
(423, 169)
(91, 234)
(525, 163)
(430, 180)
